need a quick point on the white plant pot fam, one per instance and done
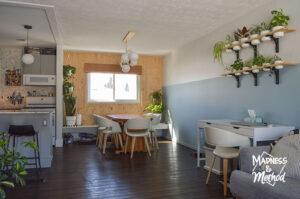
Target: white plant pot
(279, 62)
(237, 74)
(70, 120)
(228, 50)
(244, 45)
(236, 48)
(255, 41)
(278, 34)
(246, 72)
(265, 38)
(256, 70)
(78, 120)
(71, 89)
(266, 69)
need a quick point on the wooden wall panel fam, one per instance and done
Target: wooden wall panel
(150, 81)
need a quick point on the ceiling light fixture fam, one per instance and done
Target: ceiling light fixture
(27, 58)
(129, 58)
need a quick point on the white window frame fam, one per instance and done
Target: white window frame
(137, 101)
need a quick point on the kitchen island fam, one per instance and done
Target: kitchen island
(42, 124)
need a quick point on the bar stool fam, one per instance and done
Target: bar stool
(16, 131)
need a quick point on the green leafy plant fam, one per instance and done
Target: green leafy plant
(237, 65)
(68, 71)
(268, 60)
(258, 60)
(12, 165)
(242, 33)
(156, 97)
(275, 58)
(70, 102)
(218, 49)
(256, 29)
(67, 86)
(279, 19)
(265, 26)
(155, 108)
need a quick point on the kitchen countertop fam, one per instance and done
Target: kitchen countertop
(23, 113)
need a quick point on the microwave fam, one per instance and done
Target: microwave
(39, 80)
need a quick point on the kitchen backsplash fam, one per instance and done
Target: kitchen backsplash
(10, 58)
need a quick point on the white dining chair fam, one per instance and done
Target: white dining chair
(134, 128)
(107, 128)
(154, 126)
(224, 141)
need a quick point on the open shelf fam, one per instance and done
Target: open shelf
(259, 67)
(285, 30)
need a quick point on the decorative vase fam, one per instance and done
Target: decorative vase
(236, 48)
(279, 66)
(78, 120)
(245, 45)
(255, 70)
(255, 41)
(246, 72)
(266, 69)
(228, 50)
(278, 34)
(70, 120)
(265, 38)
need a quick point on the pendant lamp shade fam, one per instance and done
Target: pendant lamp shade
(27, 58)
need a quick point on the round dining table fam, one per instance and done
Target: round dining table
(121, 119)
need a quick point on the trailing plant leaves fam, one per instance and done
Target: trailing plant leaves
(8, 184)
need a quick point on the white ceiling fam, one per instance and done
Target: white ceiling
(161, 25)
(11, 27)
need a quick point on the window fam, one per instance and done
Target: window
(110, 88)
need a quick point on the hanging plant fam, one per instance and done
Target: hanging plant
(218, 49)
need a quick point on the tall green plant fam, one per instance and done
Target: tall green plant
(70, 102)
(12, 165)
(279, 19)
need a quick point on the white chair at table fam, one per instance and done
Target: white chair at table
(155, 125)
(225, 141)
(107, 128)
(134, 128)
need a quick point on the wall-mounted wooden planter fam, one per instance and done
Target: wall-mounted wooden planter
(272, 66)
(285, 30)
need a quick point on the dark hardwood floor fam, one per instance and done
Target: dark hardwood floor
(81, 171)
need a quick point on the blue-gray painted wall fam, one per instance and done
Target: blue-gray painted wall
(219, 98)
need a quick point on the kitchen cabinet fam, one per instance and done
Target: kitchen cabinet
(43, 64)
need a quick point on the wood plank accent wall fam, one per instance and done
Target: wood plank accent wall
(110, 68)
(150, 81)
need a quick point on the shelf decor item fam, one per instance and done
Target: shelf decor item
(246, 66)
(257, 61)
(237, 65)
(278, 61)
(242, 35)
(218, 49)
(254, 33)
(265, 29)
(13, 77)
(279, 21)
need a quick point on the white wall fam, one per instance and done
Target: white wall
(194, 61)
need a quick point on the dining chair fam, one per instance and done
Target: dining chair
(107, 128)
(224, 141)
(134, 128)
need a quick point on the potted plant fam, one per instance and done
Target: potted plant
(265, 29)
(257, 61)
(278, 60)
(246, 66)
(70, 102)
(237, 66)
(279, 21)
(228, 42)
(218, 49)
(13, 165)
(254, 33)
(243, 35)
(267, 61)
(69, 99)
(156, 97)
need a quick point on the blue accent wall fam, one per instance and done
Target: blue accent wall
(219, 98)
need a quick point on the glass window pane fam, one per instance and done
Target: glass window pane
(125, 87)
(101, 87)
